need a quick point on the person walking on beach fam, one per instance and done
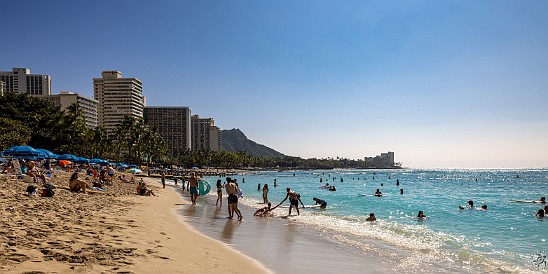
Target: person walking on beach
(293, 201)
(193, 185)
(163, 179)
(232, 191)
(265, 193)
(219, 192)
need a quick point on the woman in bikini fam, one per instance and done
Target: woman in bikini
(219, 192)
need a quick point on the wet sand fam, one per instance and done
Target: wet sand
(277, 242)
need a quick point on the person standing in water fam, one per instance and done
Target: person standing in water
(265, 193)
(219, 192)
(193, 185)
(232, 191)
(293, 201)
(275, 183)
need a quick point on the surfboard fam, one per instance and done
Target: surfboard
(203, 188)
(527, 201)
(306, 206)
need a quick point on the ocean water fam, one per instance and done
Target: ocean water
(503, 238)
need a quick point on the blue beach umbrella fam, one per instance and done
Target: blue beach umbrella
(21, 151)
(68, 157)
(99, 161)
(47, 153)
(83, 160)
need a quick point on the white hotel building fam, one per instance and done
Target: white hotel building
(117, 97)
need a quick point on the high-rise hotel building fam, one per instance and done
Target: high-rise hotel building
(117, 97)
(173, 124)
(20, 80)
(87, 105)
(205, 135)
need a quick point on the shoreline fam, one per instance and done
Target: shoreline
(280, 244)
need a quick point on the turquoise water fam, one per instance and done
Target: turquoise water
(503, 238)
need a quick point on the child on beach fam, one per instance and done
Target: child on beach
(263, 211)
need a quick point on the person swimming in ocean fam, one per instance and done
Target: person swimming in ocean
(332, 188)
(469, 206)
(421, 215)
(378, 193)
(540, 213)
(483, 207)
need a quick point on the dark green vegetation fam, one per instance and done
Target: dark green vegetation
(27, 120)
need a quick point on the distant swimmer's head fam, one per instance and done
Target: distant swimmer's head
(461, 207)
(484, 207)
(421, 214)
(543, 199)
(288, 189)
(471, 203)
(540, 213)
(314, 199)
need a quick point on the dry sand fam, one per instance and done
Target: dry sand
(117, 232)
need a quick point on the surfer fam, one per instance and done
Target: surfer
(322, 203)
(378, 193)
(193, 185)
(293, 200)
(371, 217)
(263, 211)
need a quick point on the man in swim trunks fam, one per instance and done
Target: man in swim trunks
(232, 191)
(322, 203)
(293, 201)
(193, 185)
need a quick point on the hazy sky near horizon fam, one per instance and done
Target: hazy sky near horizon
(440, 83)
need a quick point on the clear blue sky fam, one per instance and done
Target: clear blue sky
(440, 83)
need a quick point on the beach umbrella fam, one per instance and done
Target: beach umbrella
(69, 157)
(47, 153)
(21, 151)
(83, 160)
(64, 162)
(135, 170)
(99, 161)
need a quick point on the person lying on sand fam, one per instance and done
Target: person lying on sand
(263, 211)
(76, 185)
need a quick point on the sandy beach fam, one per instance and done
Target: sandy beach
(117, 232)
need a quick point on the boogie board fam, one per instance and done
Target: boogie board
(203, 188)
(525, 201)
(306, 206)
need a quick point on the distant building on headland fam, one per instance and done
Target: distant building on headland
(205, 135)
(87, 105)
(20, 80)
(173, 125)
(118, 97)
(385, 160)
